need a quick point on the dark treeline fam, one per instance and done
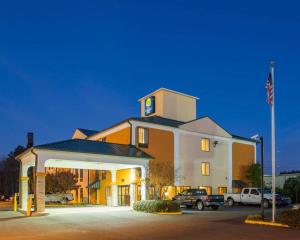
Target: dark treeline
(9, 172)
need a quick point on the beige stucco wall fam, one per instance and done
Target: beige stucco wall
(172, 105)
(205, 125)
(191, 157)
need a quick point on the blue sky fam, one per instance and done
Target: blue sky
(72, 64)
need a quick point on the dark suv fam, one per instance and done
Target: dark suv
(198, 198)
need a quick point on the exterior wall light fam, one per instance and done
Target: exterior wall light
(215, 143)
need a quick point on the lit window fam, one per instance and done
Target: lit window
(208, 189)
(205, 144)
(143, 137)
(222, 190)
(205, 169)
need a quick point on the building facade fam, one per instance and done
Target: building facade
(183, 151)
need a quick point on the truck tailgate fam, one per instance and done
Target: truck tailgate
(216, 198)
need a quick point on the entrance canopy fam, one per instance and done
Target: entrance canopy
(80, 154)
(85, 154)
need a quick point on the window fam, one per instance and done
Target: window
(187, 193)
(81, 175)
(97, 175)
(143, 137)
(254, 192)
(205, 169)
(181, 189)
(222, 190)
(208, 189)
(246, 191)
(103, 139)
(103, 175)
(81, 194)
(205, 144)
(199, 192)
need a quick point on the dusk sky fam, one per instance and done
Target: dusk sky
(70, 64)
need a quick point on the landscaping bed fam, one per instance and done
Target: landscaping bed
(287, 218)
(157, 206)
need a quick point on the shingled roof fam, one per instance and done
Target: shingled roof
(95, 147)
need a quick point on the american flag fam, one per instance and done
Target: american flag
(269, 87)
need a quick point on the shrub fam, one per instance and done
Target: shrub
(290, 217)
(152, 206)
(254, 217)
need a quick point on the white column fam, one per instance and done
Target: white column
(40, 184)
(177, 172)
(132, 186)
(114, 188)
(23, 186)
(144, 179)
(229, 177)
(133, 134)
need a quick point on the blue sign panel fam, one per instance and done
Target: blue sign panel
(149, 105)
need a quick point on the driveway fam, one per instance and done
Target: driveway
(123, 223)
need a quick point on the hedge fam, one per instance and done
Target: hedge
(290, 217)
(254, 217)
(156, 206)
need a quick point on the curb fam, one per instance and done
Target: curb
(266, 223)
(169, 213)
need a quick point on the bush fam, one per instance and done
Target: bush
(254, 217)
(290, 217)
(153, 206)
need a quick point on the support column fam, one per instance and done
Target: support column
(40, 192)
(114, 188)
(132, 186)
(177, 173)
(40, 184)
(23, 192)
(144, 183)
(229, 177)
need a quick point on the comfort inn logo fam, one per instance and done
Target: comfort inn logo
(149, 105)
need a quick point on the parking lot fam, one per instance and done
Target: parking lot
(123, 223)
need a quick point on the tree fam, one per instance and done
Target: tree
(10, 172)
(161, 176)
(292, 188)
(60, 182)
(254, 175)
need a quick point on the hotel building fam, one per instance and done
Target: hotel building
(162, 152)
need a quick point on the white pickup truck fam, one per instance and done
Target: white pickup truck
(251, 196)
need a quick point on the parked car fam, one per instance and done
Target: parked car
(4, 198)
(251, 196)
(296, 206)
(62, 198)
(198, 198)
(286, 201)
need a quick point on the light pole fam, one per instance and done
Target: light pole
(260, 140)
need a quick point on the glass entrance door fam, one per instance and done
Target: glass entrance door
(123, 195)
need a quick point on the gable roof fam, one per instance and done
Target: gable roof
(171, 123)
(205, 125)
(159, 120)
(87, 132)
(95, 147)
(167, 90)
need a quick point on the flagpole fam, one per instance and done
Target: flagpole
(273, 146)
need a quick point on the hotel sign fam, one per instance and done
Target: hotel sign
(149, 105)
